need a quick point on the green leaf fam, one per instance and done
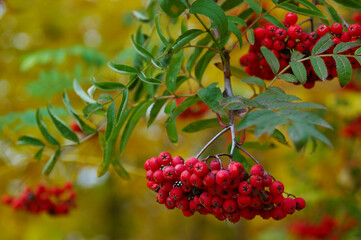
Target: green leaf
(354, 4)
(39, 154)
(323, 44)
(344, 46)
(157, 106)
(237, 20)
(107, 86)
(49, 166)
(62, 127)
(141, 50)
(254, 80)
(29, 140)
(44, 130)
(298, 136)
(172, 8)
(274, 21)
(110, 120)
(213, 12)
(250, 36)
(288, 77)
(253, 118)
(118, 167)
(320, 67)
(159, 31)
(358, 52)
(170, 107)
(172, 131)
(197, 52)
(140, 16)
(122, 106)
(80, 92)
(311, 6)
(305, 117)
(203, 63)
(255, 5)
(296, 56)
(333, 13)
(201, 125)
(299, 71)
(229, 4)
(174, 67)
(83, 126)
(91, 108)
(278, 135)
(271, 59)
(344, 69)
(184, 105)
(149, 80)
(185, 38)
(235, 30)
(122, 69)
(211, 96)
(301, 11)
(137, 113)
(296, 105)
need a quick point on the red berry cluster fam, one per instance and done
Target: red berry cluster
(195, 111)
(353, 129)
(53, 200)
(194, 186)
(328, 228)
(283, 42)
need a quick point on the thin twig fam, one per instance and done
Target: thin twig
(201, 46)
(212, 140)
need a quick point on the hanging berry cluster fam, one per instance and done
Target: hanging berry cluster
(231, 193)
(283, 42)
(53, 200)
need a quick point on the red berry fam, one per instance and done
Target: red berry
(215, 164)
(223, 178)
(146, 165)
(313, 36)
(270, 30)
(158, 176)
(277, 213)
(169, 172)
(257, 170)
(185, 177)
(205, 199)
(281, 34)
(177, 160)
(279, 45)
(291, 43)
(276, 188)
(295, 32)
(244, 188)
(149, 175)
(196, 180)
(289, 205)
(354, 30)
(229, 205)
(345, 37)
(259, 34)
(300, 203)
(243, 201)
(217, 202)
(190, 164)
(176, 193)
(256, 181)
(154, 163)
(336, 28)
(200, 169)
(165, 158)
(323, 30)
(336, 40)
(267, 180)
(235, 169)
(210, 179)
(291, 18)
(179, 168)
(182, 204)
(187, 213)
(267, 42)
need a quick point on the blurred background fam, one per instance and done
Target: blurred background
(45, 44)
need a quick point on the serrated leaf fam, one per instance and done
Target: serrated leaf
(213, 12)
(306, 117)
(185, 38)
(271, 59)
(197, 52)
(44, 130)
(110, 120)
(354, 4)
(211, 96)
(250, 36)
(229, 4)
(288, 77)
(254, 80)
(278, 135)
(175, 66)
(172, 131)
(201, 125)
(344, 46)
(333, 13)
(29, 140)
(91, 108)
(235, 30)
(299, 71)
(344, 69)
(107, 86)
(83, 126)
(274, 21)
(141, 50)
(203, 63)
(184, 105)
(323, 44)
(301, 11)
(122, 69)
(172, 8)
(160, 34)
(255, 5)
(296, 56)
(296, 105)
(80, 92)
(149, 80)
(298, 136)
(311, 6)
(62, 127)
(253, 118)
(319, 67)
(49, 166)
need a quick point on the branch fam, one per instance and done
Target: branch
(211, 141)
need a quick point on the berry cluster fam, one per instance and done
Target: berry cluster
(53, 200)
(195, 111)
(283, 42)
(328, 228)
(194, 186)
(353, 129)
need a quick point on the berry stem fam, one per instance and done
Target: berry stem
(212, 140)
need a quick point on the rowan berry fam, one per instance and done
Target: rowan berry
(291, 18)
